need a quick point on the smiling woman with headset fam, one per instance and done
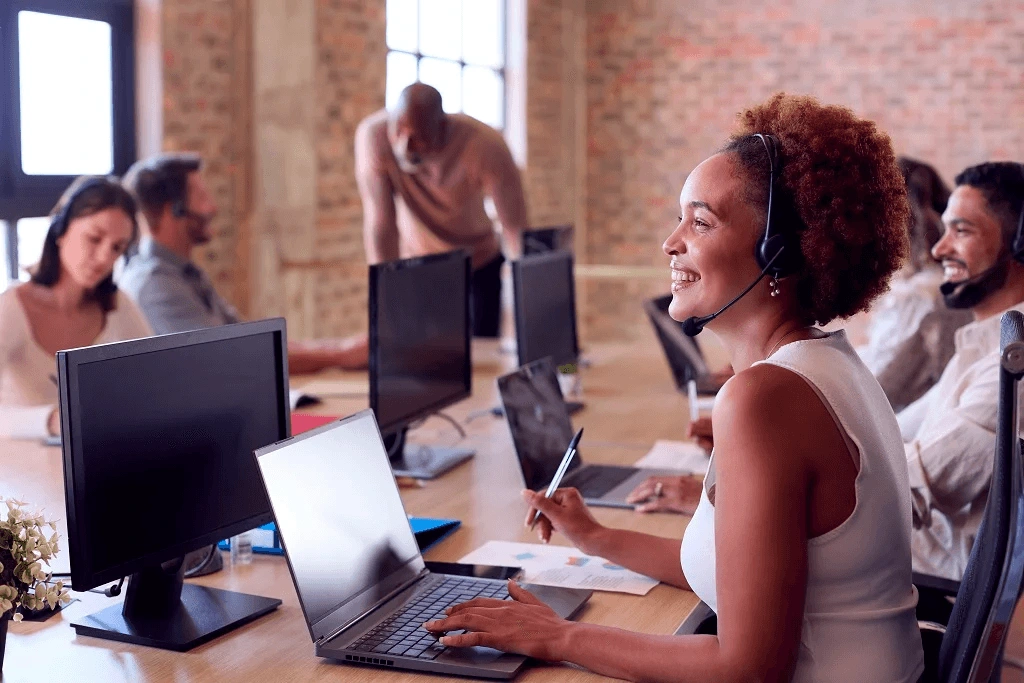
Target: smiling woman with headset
(801, 540)
(70, 301)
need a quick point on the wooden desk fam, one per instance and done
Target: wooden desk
(630, 399)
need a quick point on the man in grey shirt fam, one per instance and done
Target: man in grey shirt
(174, 294)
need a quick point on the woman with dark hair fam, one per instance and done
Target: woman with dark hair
(70, 301)
(910, 336)
(801, 540)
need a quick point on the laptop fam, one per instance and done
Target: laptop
(541, 430)
(362, 583)
(681, 350)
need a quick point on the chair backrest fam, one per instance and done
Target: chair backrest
(972, 645)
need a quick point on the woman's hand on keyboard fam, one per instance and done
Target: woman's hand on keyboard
(523, 625)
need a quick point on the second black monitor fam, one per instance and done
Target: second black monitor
(545, 308)
(419, 349)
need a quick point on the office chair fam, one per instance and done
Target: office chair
(969, 649)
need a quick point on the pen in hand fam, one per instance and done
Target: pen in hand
(559, 473)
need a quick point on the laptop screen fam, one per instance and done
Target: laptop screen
(340, 517)
(538, 420)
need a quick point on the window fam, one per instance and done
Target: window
(67, 108)
(457, 46)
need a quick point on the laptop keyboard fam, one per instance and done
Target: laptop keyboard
(402, 634)
(595, 481)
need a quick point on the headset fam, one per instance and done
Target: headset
(178, 209)
(775, 251)
(60, 220)
(1017, 246)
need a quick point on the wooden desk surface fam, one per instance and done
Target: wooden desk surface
(631, 401)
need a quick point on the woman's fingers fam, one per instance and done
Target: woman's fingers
(475, 602)
(475, 619)
(520, 594)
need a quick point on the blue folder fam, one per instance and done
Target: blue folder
(428, 532)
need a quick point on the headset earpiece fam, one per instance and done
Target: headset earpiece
(1018, 239)
(60, 220)
(775, 246)
(178, 208)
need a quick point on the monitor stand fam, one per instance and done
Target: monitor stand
(161, 610)
(422, 461)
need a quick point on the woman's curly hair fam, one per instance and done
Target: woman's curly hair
(839, 189)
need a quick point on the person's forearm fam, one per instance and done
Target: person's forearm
(25, 422)
(381, 243)
(652, 556)
(641, 657)
(513, 242)
(351, 353)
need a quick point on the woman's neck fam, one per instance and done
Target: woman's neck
(68, 296)
(756, 338)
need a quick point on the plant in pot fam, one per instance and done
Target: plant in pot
(25, 549)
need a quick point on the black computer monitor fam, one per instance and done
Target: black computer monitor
(419, 352)
(158, 441)
(545, 308)
(543, 240)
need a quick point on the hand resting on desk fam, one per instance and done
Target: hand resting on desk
(675, 494)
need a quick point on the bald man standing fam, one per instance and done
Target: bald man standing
(423, 175)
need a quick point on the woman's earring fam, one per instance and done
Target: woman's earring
(773, 285)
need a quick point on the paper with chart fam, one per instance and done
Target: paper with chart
(675, 455)
(549, 565)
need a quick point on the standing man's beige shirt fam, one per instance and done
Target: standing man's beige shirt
(440, 207)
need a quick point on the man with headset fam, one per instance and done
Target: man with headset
(949, 432)
(174, 294)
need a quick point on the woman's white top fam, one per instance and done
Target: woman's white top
(28, 388)
(859, 611)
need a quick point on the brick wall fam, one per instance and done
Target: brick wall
(623, 97)
(279, 160)
(945, 79)
(549, 177)
(205, 99)
(349, 85)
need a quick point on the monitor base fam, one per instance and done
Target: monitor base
(203, 614)
(427, 462)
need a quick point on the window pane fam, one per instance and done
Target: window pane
(483, 95)
(447, 78)
(483, 40)
(401, 25)
(441, 28)
(31, 235)
(401, 72)
(66, 95)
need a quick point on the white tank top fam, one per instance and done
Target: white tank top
(859, 614)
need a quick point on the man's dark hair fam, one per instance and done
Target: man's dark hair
(79, 201)
(161, 180)
(1002, 183)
